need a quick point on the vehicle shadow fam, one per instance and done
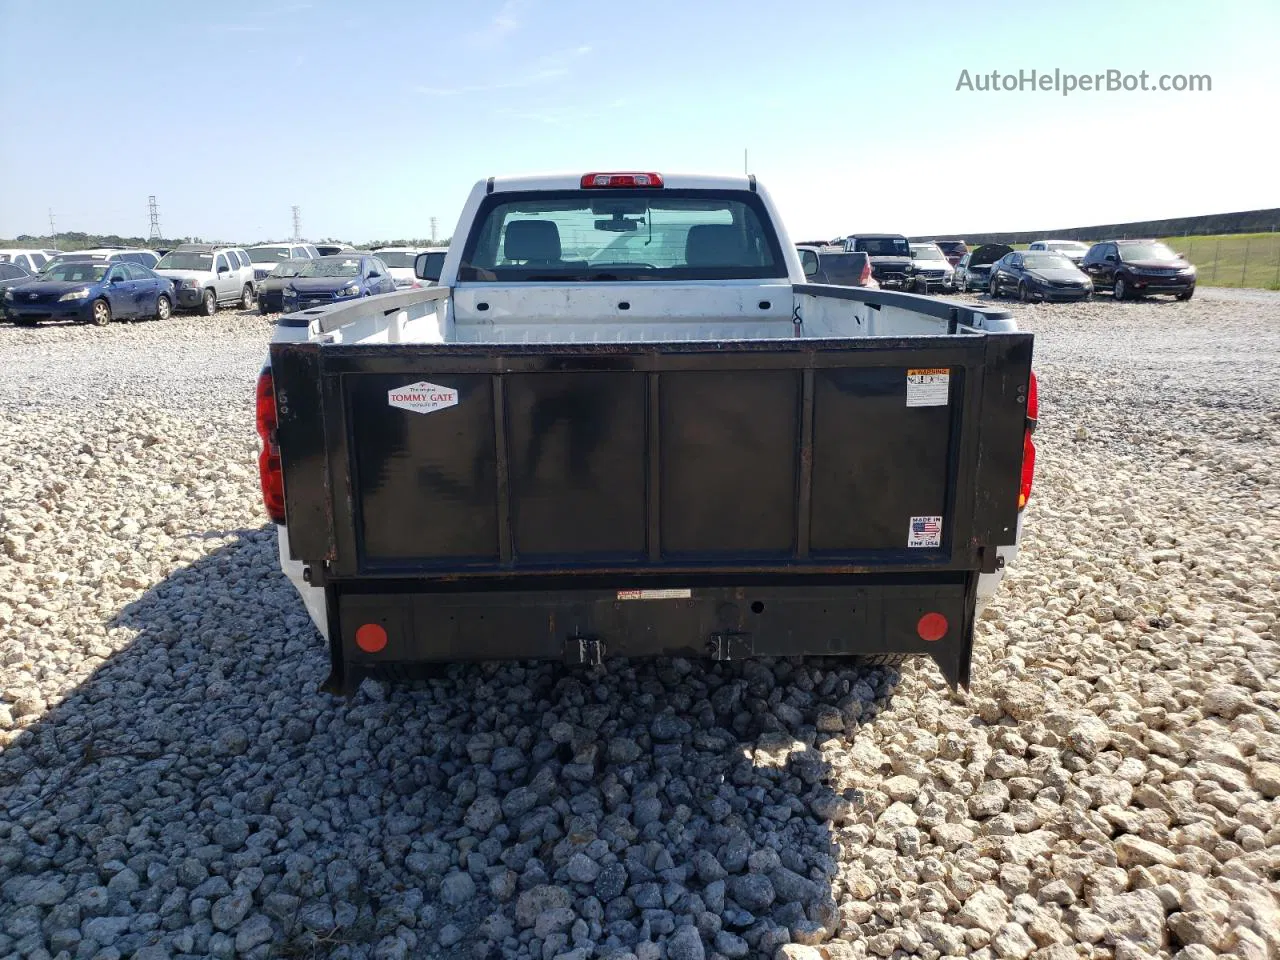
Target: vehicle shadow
(198, 794)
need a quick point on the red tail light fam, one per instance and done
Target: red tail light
(269, 470)
(371, 638)
(1029, 448)
(866, 272)
(932, 627)
(590, 180)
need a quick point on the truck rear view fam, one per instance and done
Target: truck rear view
(623, 425)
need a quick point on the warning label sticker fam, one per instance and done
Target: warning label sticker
(925, 532)
(684, 594)
(422, 397)
(928, 387)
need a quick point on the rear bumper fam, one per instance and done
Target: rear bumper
(853, 615)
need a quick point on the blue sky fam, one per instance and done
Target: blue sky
(375, 117)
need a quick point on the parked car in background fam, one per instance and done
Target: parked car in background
(11, 273)
(953, 250)
(329, 249)
(890, 255)
(974, 269)
(929, 270)
(1074, 250)
(344, 276)
(95, 291)
(1132, 268)
(1038, 275)
(142, 256)
(399, 261)
(827, 264)
(265, 256)
(138, 255)
(31, 261)
(208, 276)
(271, 288)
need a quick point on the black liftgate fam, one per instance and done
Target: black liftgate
(763, 495)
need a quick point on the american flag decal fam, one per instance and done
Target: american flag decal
(925, 532)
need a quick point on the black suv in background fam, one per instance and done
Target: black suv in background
(890, 255)
(1132, 268)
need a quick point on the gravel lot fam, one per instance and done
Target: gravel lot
(171, 784)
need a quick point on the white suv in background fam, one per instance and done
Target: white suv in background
(265, 256)
(206, 276)
(399, 261)
(31, 261)
(1073, 249)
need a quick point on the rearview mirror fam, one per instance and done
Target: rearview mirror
(427, 266)
(618, 225)
(810, 265)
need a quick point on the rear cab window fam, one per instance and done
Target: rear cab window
(622, 235)
(840, 267)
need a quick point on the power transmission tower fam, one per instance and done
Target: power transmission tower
(53, 231)
(297, 223)
(435, 229)
(154, 211)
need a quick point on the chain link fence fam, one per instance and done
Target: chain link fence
(1249, 260)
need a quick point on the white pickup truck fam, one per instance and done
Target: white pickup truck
(623, 424)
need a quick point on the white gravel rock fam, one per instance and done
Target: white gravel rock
(172, 785)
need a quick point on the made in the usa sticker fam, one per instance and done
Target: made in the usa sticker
(928, 387)
(925, 532)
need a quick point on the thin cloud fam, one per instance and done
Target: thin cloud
(563, 58)
(541, 76)
(560, 116)
(504, 23)
(545, 68)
